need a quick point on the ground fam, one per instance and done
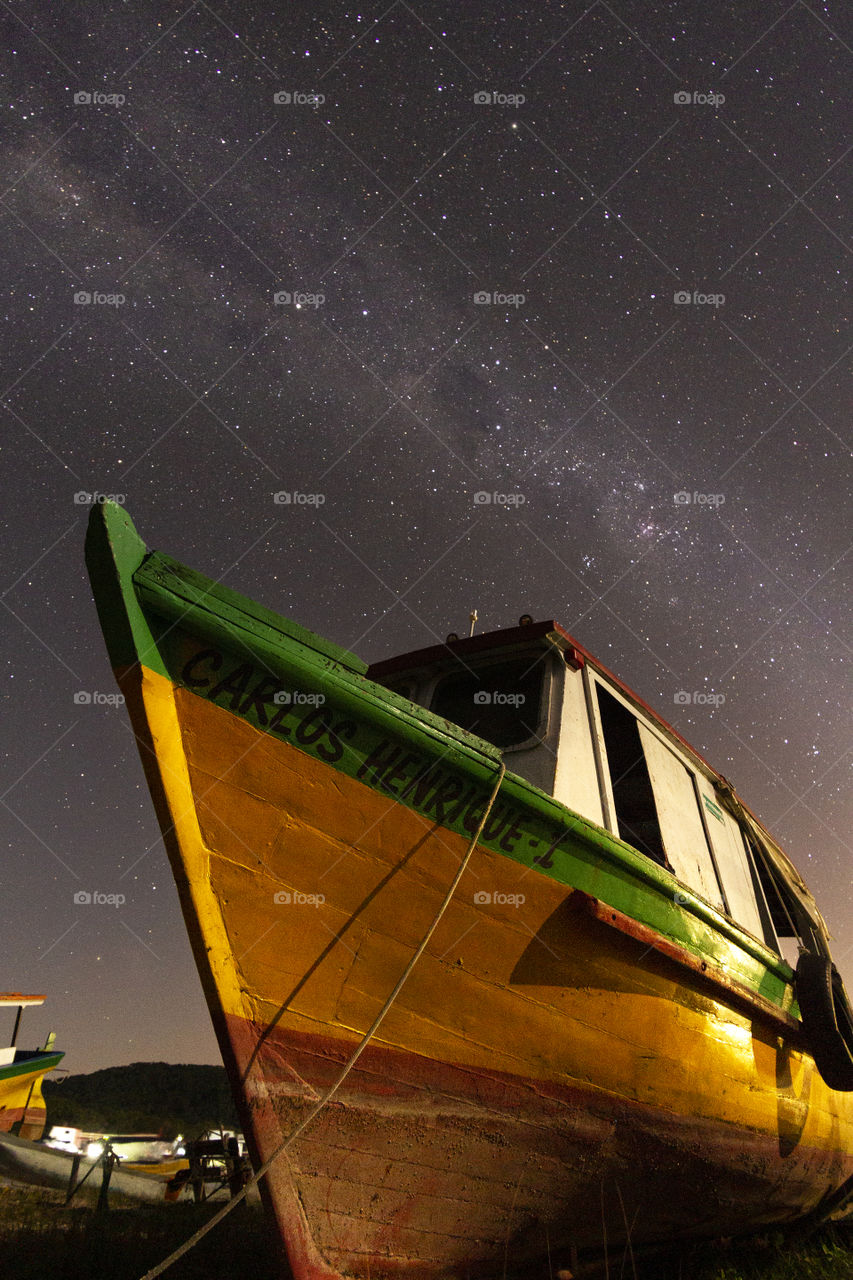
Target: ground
(39, 1236)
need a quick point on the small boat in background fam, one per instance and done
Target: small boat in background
(37, 1164)
(22, 1107)
(138, 1152)
(626, 1026)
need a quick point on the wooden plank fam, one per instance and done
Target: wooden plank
(732, 991)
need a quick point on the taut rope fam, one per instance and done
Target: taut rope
(366, 1038)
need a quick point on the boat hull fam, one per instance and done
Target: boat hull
(542, 1083)
(585, 1054)
(37, 1165)
(22, 1105)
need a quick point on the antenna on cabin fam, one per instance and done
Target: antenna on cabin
(473, 617)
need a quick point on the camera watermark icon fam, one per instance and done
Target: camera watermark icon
(286, 698)
(696, 499)
(496, 698)
(486, 298)
(487, 98)
(286, 98)
(293, 498)
(484, 499)
(680, 898)
(85, 298)
(84, 499)
(82, 898)
(485, 899)
(92, 698)
(698, 699)
(697, 99)
(284, 898)
(286, 298)
(97, 99)
(684, 298)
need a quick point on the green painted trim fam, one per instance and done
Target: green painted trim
(273, 653)
(114, 550)
(41, 1062)
(197, 592)
(713, 808)
(184, 610)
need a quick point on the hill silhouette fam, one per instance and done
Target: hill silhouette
(145, 1097)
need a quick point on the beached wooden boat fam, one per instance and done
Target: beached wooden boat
(605, 1037)
(22, 1109)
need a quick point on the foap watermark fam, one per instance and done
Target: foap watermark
(485, 899)
(284, 898)
(698, 699)
(286, 698)
(698, 99)
(497, 698)
(84, 499)
(293, 498)
(489, 98)
(484, 499)
(97, 99)
(696, 499)
(93, 698)
(83, 898)
(680, 898)
(291, 98)
(286, 298)
(684, 298)
(86, 298)
(487, 298)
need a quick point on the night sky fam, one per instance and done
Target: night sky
(179, 197)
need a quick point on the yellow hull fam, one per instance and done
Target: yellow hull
(534, 1058)
(22, 1105)
(165, 1170)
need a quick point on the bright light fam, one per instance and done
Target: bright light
(94, 1150)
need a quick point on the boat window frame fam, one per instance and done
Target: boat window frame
(805, 931)
(592, 678)
(608, 772)
(545, 718)
(703, 817)
(771, 937)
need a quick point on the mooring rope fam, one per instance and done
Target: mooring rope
(366, 1038)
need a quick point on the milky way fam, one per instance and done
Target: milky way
(579, 260)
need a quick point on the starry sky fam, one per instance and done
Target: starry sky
(578, 258)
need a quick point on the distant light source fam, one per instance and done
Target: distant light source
(94, 1150)
(525, 620)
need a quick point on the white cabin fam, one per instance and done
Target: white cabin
(569, 726)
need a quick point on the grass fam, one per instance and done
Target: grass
(39, 1237)
(826, 1255)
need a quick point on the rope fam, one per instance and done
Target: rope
(366, 1038)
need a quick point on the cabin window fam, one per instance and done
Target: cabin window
(732, 861)
(501, 703)
(778, 911)
(636, 814)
